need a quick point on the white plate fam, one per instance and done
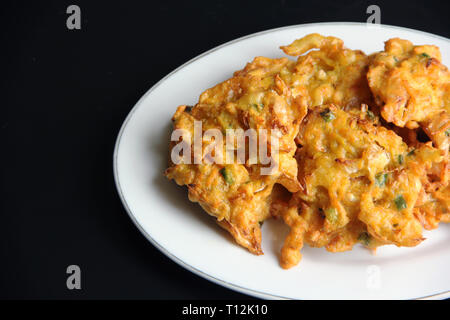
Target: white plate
(187, 235)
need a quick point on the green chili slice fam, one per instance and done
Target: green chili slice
(364, 238)
(327, 115)
(380, 179)
(227, 175)
(400, 203)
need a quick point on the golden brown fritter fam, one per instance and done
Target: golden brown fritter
(238, 195)
(352, 165)
(332, 74)
(360, 183)
(412, 88)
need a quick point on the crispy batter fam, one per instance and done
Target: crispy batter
(354, 189)
(412, 87)
(332, 74)
(353, 164)
(256, 97)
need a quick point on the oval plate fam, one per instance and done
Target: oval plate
(186, 234)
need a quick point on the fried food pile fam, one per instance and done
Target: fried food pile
(361, 152)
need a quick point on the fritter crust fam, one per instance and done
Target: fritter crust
(352, 165)
(412, 88)
(360, 183)
(257, 98)
(332, 74)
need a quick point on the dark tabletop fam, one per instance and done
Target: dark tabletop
(65, 94)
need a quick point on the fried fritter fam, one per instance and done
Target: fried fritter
(332, 74)
(412, 88)
(238, 195)
(360, 183)
(352, 164)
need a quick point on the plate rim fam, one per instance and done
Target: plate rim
(226, 284)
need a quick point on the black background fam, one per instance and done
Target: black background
(64, 97)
